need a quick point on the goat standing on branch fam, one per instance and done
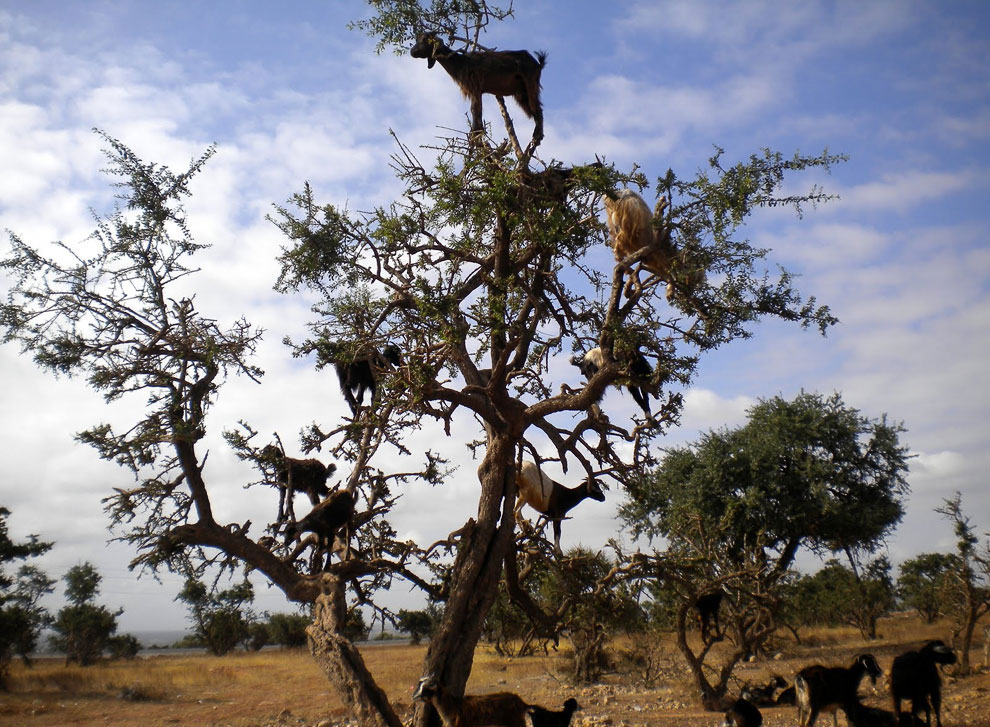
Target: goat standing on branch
(640, 373)
(551, 498)
(297, 475)
(503, 73)
(632, 227)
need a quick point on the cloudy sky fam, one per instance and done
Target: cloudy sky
(288, 94)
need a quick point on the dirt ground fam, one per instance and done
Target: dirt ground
(285, 688)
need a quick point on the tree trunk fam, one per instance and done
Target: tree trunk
(341, 661)
(477, 571)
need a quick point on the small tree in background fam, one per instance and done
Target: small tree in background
(219, 618)
(921, 581)
(123, 646)
(83, 629)
(288, 629)
(967, 584)
(736, 506)
(21, 616)
(419, 624)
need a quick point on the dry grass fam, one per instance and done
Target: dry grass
(286, 688)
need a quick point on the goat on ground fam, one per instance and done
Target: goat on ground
(637, 382)
(297, 475)
(513, 73)
(631, 227)
(542, 717)
(501, 709)
(763, 696)
(914, 676)
(819, 688)
(742, 713)
(706, 608)
(323, 521)
(788, 696)
(361, 374)
(551, 498)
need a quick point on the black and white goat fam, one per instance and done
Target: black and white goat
(501, 709)
(914, 676)
(819, 688)
(297, 475)
(743, 713)
(502, 73)
(637, 382)
(361, 374)
(542, 717)
(550, 498)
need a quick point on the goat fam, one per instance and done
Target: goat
(513, 73)
(504, 709)
(542, 717)
(551, 498)
(819, 688)
(323, 521)
(742, 713)
(297, 475)
(914, 676)
(361, 374)
(640, 373)
(763, 696)
(631, 228)
(706, 608)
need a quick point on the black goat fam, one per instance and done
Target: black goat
(914, 676)
(513, 73)
(637, 382)
(819, 688)
(551, 498)
(361, 374)
(542, 717)
(297, 475)
(763, 696)
(323, 521)
(743, 713)
(501, 709)
(706, 608)
(859, 715)
(788, 696)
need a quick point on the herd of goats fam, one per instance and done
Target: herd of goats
(632, 227)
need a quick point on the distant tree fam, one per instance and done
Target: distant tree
(83, 629)
(123, 646)
(419, 624)
(595, 610)
(967, 584)
(355, 627)
(288, 629)
(219, 617)
(21, 616)
(736, 506)
(921, 582)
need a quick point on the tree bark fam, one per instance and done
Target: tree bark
(477, 570)
(342, 662)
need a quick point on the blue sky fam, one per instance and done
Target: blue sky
(289, 94)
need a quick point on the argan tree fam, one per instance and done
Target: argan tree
(921, 580)
(479, 272)
(737, 505)
(83, 629)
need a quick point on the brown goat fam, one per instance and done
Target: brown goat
(631, 228)
(297, 475)
(503, 709)
(513, 73)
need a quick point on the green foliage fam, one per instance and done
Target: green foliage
(393, 22)
(257, 637)
(124, 646)
(810, 471)
(922, 580)
(419, 624)
(219, 617)
(288, 629)
(837, 595)
(355, 627)
(83, 630)
(21, 616)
